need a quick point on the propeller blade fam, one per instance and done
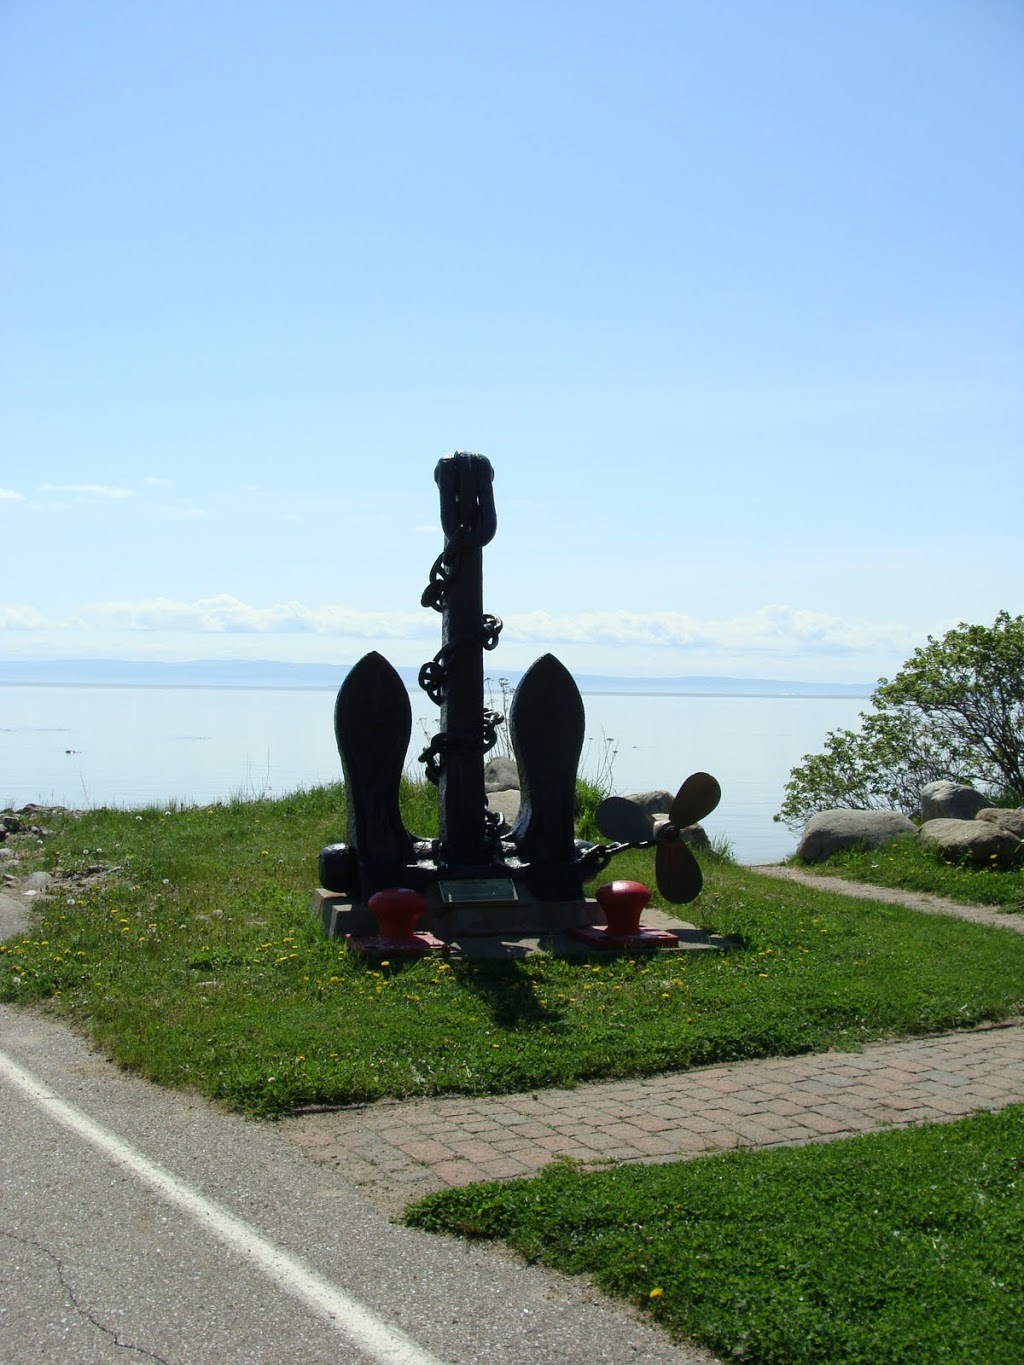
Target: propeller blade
(677, 872)
(623, 820)
(696, 798)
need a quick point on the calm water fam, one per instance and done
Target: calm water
(137, 746)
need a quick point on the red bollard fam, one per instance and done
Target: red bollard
(623, 903)
(396, 911)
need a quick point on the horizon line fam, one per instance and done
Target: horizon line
(33, 671)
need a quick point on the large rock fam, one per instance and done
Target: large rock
(950, 801)
(831, 830)
(652, 802)
(696, 836)
(501, 774)
(1004, 818)
(506, 803)
(979, 842)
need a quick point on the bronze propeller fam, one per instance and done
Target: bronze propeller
(676, 870)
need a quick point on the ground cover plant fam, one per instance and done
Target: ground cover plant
(197, 962)
(910, 865)
(894, 1248)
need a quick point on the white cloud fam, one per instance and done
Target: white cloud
(22, 618)
(9, 495)
(768, 630)
(226, 614)
(92, 492)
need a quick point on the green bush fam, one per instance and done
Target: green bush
(955, 710)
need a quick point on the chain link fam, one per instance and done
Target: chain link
(433, 675)
(445, 742)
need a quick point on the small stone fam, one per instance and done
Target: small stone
(37, 881)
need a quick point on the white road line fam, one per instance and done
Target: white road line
(345, 1314)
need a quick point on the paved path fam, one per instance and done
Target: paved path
(400, 1151)
(143, 1225)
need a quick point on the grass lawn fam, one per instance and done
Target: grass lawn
(910, 866)
(902, 1246)
(199, 964)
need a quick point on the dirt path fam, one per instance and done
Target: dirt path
(913, 900)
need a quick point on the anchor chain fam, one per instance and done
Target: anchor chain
(445, 742)
(433, 675)
(444, 568)
(598, 856)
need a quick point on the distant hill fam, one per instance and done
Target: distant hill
(263, 673)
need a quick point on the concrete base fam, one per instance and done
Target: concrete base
(507, 929)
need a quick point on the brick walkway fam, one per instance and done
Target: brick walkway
(400, 1151)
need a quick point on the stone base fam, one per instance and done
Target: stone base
(645, 939)
(340, 915)
(509, 929)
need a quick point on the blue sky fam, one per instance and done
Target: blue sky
(730, 294)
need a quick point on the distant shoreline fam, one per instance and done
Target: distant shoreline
(585, 691)
(268, 675)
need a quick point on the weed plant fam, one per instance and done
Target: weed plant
(896, 1248)
(198, 963)
(908, 864)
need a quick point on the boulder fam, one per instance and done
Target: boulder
(506, 803)
(831, 830)
(501, 774)
(696, 836)
(1004, 818)
(950, 801)
(979, 842)
(652, 802)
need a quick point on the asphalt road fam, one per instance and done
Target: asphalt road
(141, 1224)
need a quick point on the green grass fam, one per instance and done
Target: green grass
(908, 864)
(199, 964)
(893, 1249)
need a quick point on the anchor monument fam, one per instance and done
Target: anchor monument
(471, 877)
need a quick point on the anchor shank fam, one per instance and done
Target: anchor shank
(461, 789)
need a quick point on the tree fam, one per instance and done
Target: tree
(954, 710)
